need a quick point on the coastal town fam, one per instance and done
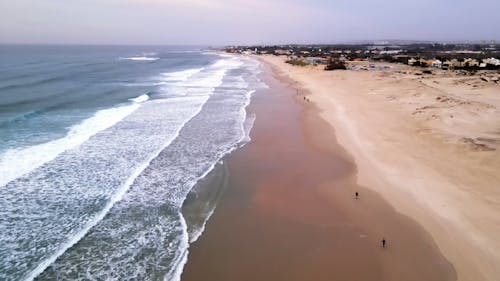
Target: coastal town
(484, 55)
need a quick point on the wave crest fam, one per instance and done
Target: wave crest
(17, 162)
(143, 58)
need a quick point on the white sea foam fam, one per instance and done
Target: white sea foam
(204, 82)
(142, 58)
(117, 196)
(198, 232)
(167, 78)
(247, 127)
(228, 63)
(213, 80)
(248, 121)
(143, 84)
(201, 85)
(141, 98)
(175, 272)
(17, 162)
(197, 81)
(179, 75)
(146, 183)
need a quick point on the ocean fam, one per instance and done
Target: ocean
(100, 148)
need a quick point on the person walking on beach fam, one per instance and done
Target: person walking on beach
(383, 242)
(357, 194)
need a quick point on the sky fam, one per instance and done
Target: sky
(226, 22)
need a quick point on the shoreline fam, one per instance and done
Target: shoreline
(289, 211)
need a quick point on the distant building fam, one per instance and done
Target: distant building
(316, 61)
(492, 61)
(343, 58)
(391, 52)
(281, 52)
(437, 64)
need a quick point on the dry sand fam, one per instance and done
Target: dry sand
(428, 144)
(289, 212)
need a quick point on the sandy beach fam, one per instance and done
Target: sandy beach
(428, 144)
(289, 211)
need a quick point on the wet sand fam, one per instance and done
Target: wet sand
(289, 212)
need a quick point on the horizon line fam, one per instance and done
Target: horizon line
(346, 42)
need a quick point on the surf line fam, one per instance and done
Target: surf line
(44, 264)
(30, 158)
(176, 272)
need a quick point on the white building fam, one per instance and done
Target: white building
(412, 61)
(492, 61)
(282, 52)
(437, 64)
(391, 52)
